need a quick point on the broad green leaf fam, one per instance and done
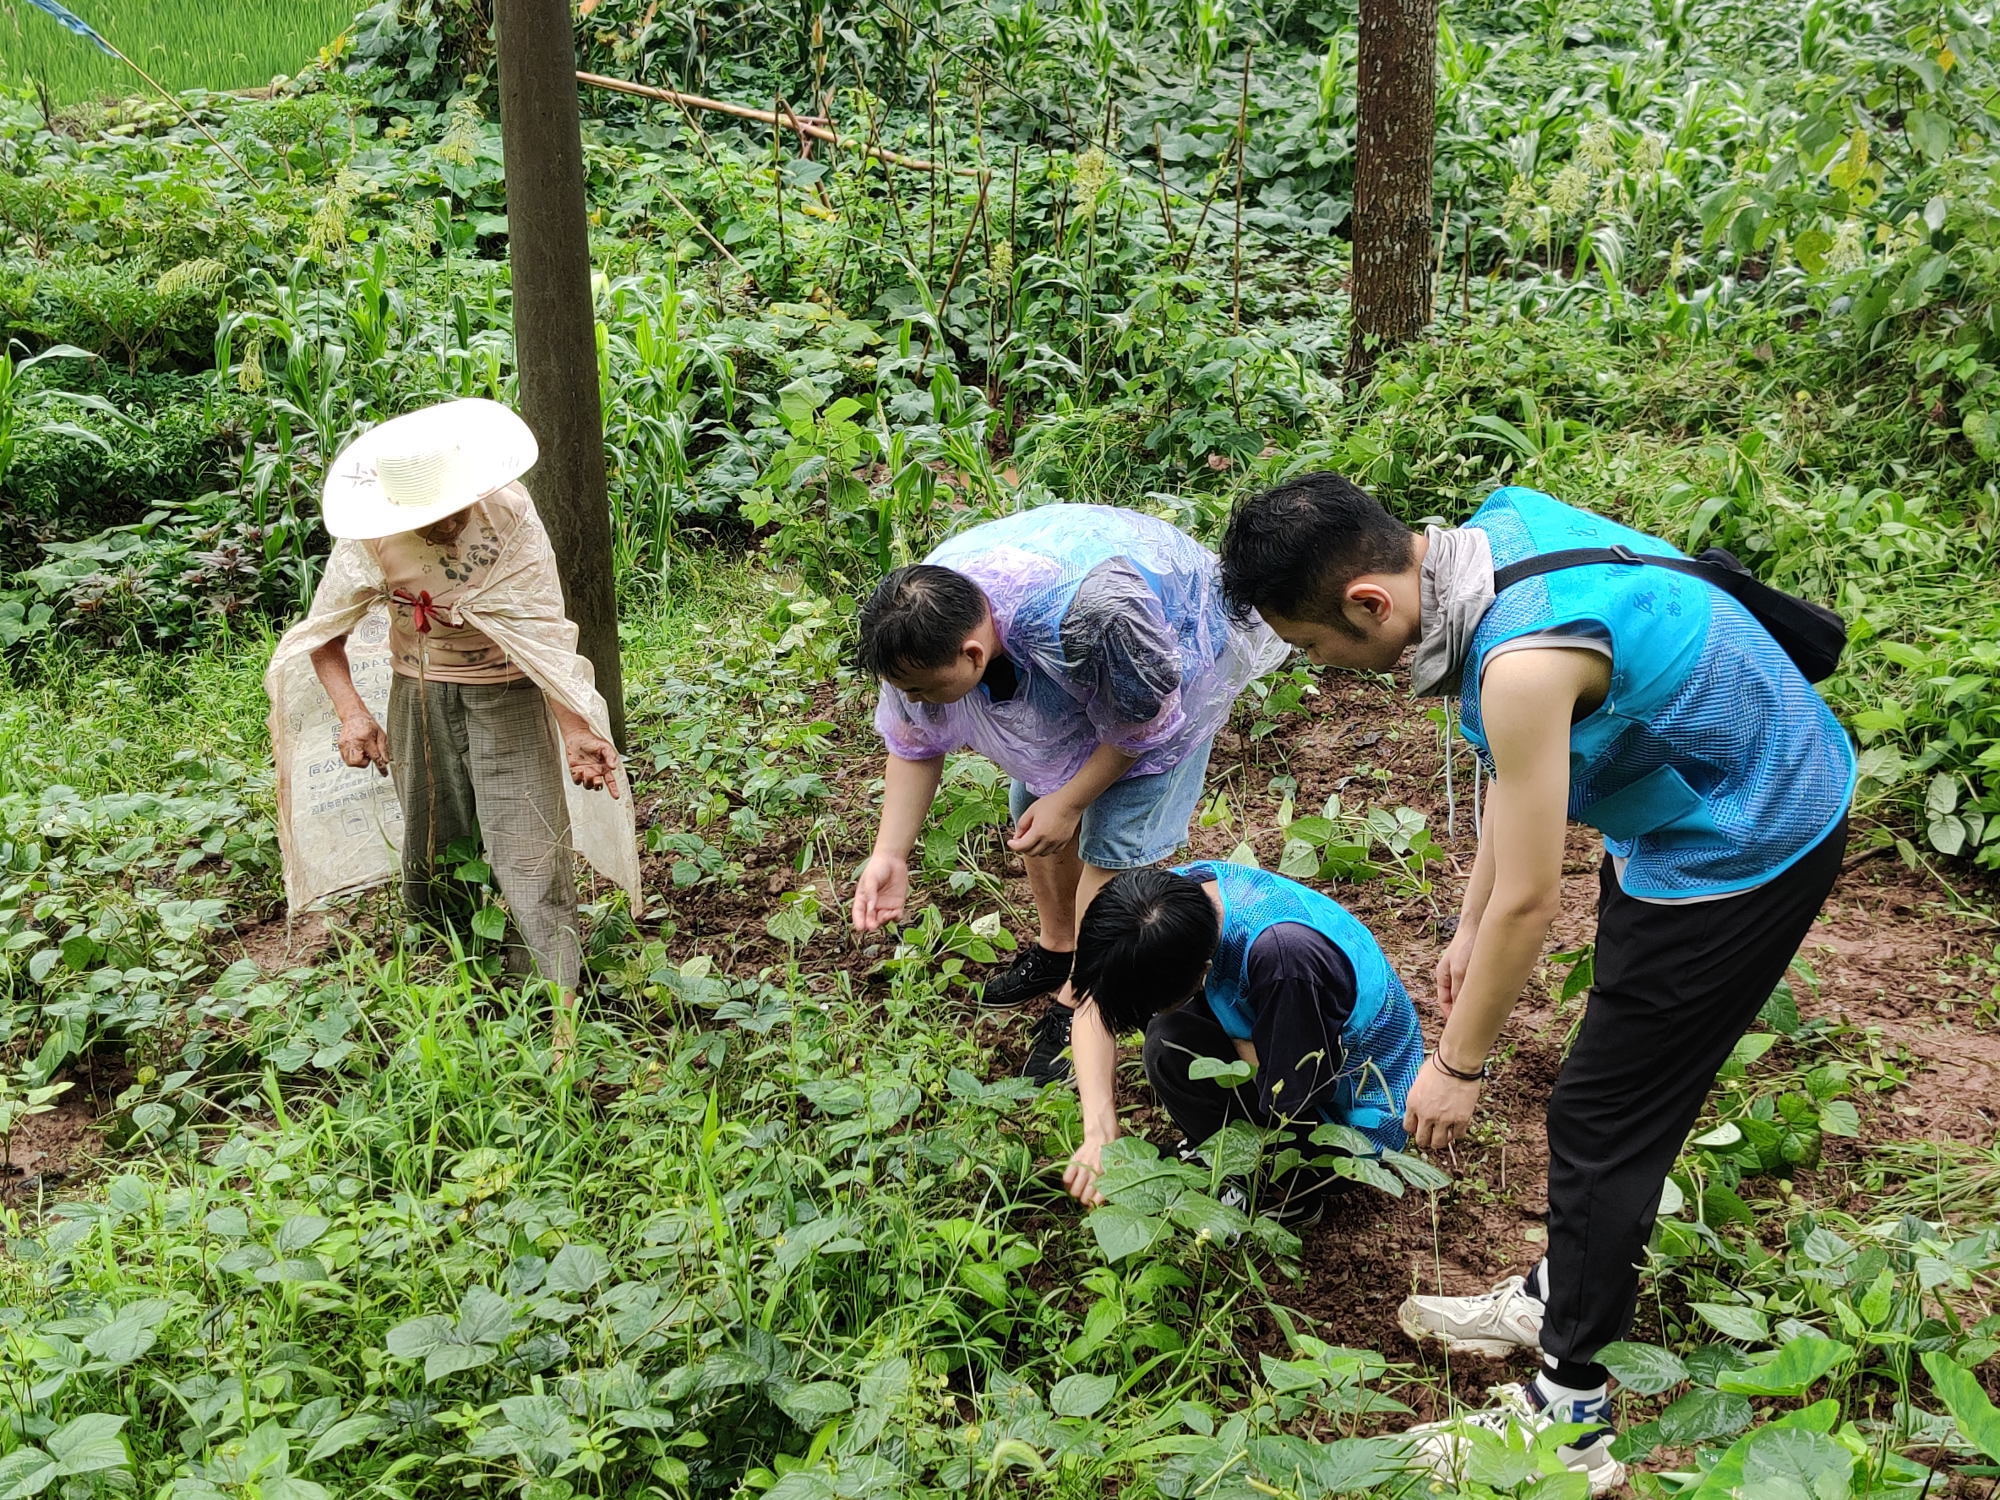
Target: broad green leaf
(1801, 1362)
(1753, 1045)
(299, 1231)
(1503, 1463)
(1081, 1395)
(1838, 1117)
(986, 1279)
(484, 1316)
(1417, 1172)
(1643, 1369)
(1567, 1485)
(490, 923)
(1287, 1375)
(1875, 1302)
(1702, 1415)
(1725, 1480)
(449, 1359)
(1226, 1074)
(1636, 1444)
(1121, 1231)
(85, 1444)
(1789, 1463)
(887, 1383)
(1363, 1169)
(1967, 1402)
(810, 1405)
(414, 1338)
(1299, 860)
(123, 1339)
(1745, 1324)
(342, 1435)
(576, 1269)
(1344, 1137)
(792, 924)
(1826, 1248)
(1202, 1215)
(24, 1472)
(730, 1367)
(801, 1484)
(1349, 1466)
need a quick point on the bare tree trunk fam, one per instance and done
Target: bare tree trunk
(555, 339)
(1396, 101)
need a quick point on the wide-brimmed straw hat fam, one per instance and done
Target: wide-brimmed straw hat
(420, 468)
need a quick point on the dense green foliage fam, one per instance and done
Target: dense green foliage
(1724, 271)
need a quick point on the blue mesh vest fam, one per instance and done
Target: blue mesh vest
(1381, 1045)
(1712, 765)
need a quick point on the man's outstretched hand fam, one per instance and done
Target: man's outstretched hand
(593, 762)
(1086, 1165)
(881, 893)
(1439, 1108)
(363, 743)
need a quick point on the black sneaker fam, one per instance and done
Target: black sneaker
(1035, 972)
(1048, 1060)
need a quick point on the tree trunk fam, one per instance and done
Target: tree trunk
(1396, 102)
(555, 339)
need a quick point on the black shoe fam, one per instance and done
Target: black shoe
(1047, 1060)
(1035, 972)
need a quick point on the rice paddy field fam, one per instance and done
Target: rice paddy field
(185, 44)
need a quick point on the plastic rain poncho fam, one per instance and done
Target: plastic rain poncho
(1115, 624)
(340, 827)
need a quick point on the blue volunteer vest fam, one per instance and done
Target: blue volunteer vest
(1381, 1045)
(1712, 765)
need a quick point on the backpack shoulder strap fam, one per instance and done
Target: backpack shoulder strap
(1811, 634)
(1584, 557)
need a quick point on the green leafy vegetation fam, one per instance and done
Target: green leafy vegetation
(783, 1223)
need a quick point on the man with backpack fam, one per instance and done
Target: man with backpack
(1609, 686)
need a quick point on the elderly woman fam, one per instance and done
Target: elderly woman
(491, 713)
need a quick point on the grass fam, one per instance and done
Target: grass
(185, 44)
(771, 1222)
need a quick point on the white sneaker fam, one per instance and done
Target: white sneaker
(1496, 1322)
(1443, 1448)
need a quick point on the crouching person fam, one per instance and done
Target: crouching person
(1226, 961)
(492, 714)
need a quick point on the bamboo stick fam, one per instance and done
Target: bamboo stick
(803, 125)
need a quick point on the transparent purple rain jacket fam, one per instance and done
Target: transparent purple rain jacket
(1115, 624)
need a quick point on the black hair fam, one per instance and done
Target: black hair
(1294, 549)
(1142, 946)
(918, 616)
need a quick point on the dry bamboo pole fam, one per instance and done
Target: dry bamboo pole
(803, 125)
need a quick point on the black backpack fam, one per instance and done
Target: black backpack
(1811, 635)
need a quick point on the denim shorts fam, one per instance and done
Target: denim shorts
(1138, 821)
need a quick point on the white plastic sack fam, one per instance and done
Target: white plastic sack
(340, 828)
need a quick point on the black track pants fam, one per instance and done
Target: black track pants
(1676, 986)
(1200, 1106)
